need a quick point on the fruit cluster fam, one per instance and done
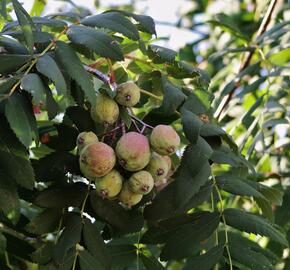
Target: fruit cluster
(144, 162)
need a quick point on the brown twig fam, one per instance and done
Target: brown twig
(263, 27)
(112, 75)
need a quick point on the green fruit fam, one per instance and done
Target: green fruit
(106, 110)
(141, 182)
(109, 185)
(128, 94)
(164, 140)
(128, 197)
(158, 167)
(133, 151)
(96, 160)
(84, 139)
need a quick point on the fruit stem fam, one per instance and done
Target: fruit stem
(150, 94)
(224, 221)
(136, 126)
(85, 200)
(59, 227)
(75, 260)
(8, 264)
(112, 75)
(139, 120)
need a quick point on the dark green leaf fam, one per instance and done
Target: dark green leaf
(54, 167)
(19, 118)
(18, 168)
(160, 54)
(43, 254)
(7, 83)
(150, 262)
(122, 255)
(182, 243)
(47, 66)
(159, 232)
(249, 253)
(228, 24)
(51, 105)
(9, 200)
(81, 118)
(115, 22)
(49, 22)
(235, 185)
(2, 243)
(191, 125)
(172, 97)
(47, 221)
(99, 42)
(272, 194)
(70, 236)
(205, 261)
(95, 244)
(25, 22)
(10, 62)
(12, 46)
(65, 139)
(253, 224)
(33, 84)
(89, 262)
(70, 195)
(73, 66)
(19, 247)
(195, 104)
(146, 22)
(120, 220)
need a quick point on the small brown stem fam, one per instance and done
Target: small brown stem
(139, 120)
(136, 126)
(112, 75)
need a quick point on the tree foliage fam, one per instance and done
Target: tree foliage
(227, 204)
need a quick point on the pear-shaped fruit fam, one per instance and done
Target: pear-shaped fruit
(85, 138)
(128, 197)
(157, 167)
(133, 151)
(109, 185)
(96, 160)
(128, 94)
(141, 182)
(106, 110)
(164, 140)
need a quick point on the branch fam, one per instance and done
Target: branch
(263, 27)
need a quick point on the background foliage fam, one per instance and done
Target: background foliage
(230, 91)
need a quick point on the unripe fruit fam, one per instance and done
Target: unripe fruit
(141, 182)
(158, 167)
(86, 138)
(109, 185)
(169, 164)
(128, 94)
(164, 140)
(133, 151)
(96, 160)
(106, 110)
(128, 197)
